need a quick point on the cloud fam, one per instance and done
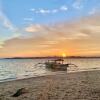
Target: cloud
(55, 11)
(61, 30)
(6, 22)
(84, 28)
(11, 32)
(28, 19)
(1, 44)
(43, 11)
(77, 4)
(93, 11)
(63, 8)
(33, 9)
(80, 37)
(34, 28)
(11, 29)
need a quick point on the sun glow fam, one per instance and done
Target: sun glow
(63, 54)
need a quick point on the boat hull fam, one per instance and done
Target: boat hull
(61, 67)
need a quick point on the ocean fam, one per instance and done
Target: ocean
(12, 69)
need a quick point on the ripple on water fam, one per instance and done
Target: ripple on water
(23, 68)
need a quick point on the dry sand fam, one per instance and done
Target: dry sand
(75, 86)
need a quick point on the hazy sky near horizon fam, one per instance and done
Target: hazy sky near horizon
(49, 28)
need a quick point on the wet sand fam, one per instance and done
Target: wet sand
(72, 86)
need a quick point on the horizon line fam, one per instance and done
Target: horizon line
(50, 57)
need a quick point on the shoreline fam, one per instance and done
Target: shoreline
(66, 86)
(50, 74)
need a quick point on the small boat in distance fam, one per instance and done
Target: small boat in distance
(58, 64)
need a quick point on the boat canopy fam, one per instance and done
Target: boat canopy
(59, 60)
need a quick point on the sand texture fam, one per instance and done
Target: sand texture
(73, 86)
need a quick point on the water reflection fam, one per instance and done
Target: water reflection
(23, 68)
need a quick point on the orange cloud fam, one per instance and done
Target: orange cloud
(80, 37)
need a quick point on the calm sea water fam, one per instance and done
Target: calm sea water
(11, 69)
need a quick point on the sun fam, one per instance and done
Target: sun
(63, 54)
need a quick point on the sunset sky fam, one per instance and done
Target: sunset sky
(31, 28)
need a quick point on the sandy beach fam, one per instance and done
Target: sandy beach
(72, 86)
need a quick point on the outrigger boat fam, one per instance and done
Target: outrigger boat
(58, 64)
